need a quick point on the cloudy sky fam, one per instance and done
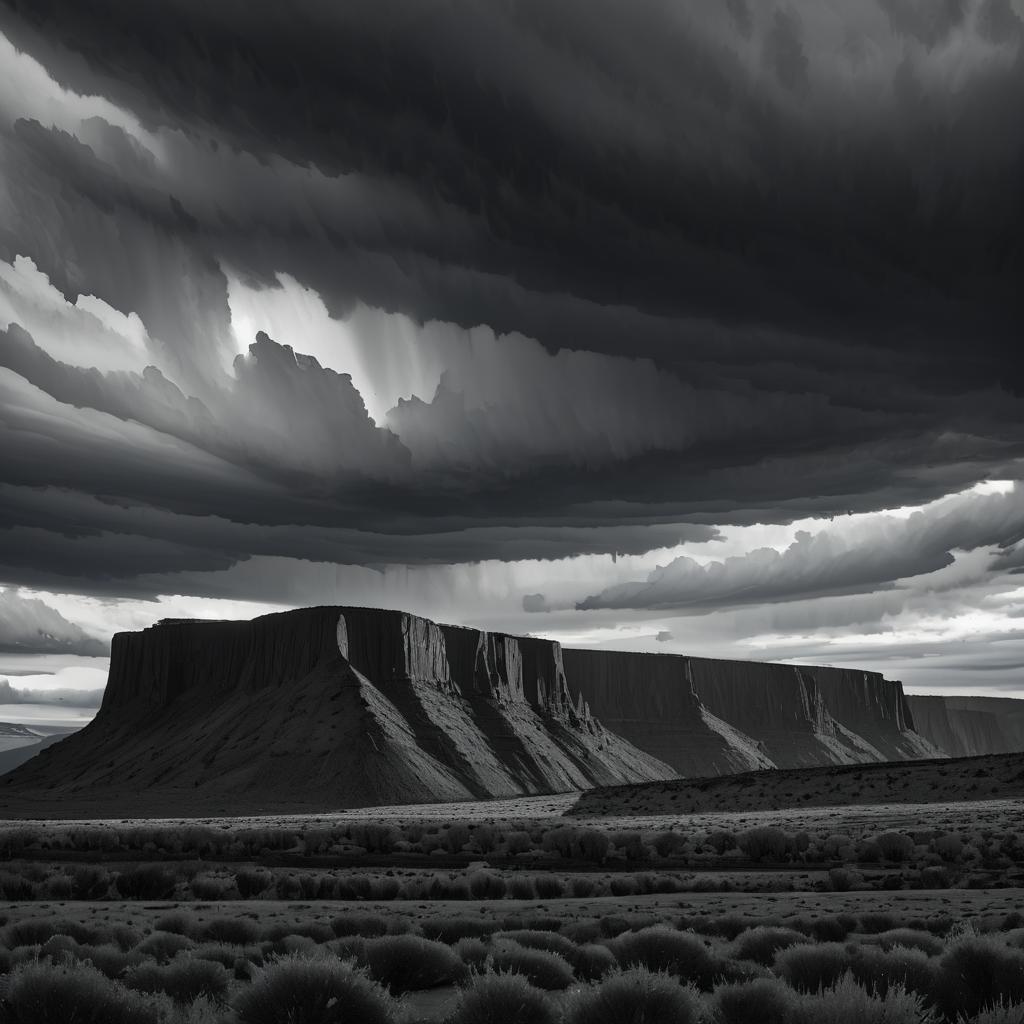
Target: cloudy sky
(654, 325)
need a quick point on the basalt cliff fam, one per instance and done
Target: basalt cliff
(345, 707)
(327, 708)
(705, 716)
(970, 726)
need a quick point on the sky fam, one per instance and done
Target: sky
(688, 327)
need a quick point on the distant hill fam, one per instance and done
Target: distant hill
(995, 777)
(969, 726)
(20, 742)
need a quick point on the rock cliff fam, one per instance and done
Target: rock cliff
(328, 707)
(707, 716)
(970, 726)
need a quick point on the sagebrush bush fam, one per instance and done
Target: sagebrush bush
(146, 882)
(1001, 1013)
(761, 944)
(895, 846)
(485, 885)
(408, 963)
(660, 948)
(315, 930)
(977, 972)
(762, 1001)
(541, 968)
(185, 979)
(809, 968)
(764, 843)
(239, 931)
(34, 931)
(909, 938)
(503, 999)
(847, 1003)
(251, 882)
(533, 939)
(40, 993)
(353, 922)
(591, 961)
(179, 923)
(472, 952)
(163, 946)
(108, 959)
(878, 970)
(634, 996)
(305, 990)
(451, 929)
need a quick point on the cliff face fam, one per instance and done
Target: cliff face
(970, 726)
(708, 716)
(330, 707)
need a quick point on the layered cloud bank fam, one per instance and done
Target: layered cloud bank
(448, 304)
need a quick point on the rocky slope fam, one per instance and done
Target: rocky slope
(706, 716)
(326, 707)
(968, 726)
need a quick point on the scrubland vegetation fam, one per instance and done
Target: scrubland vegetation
(366, 967)
(518, 920)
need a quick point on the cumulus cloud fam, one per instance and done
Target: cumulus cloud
(28, 625)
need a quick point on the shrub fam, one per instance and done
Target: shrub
(592, 962)
(184, 980)
(108, 959)
(178, 923)
(34, 931)
(761, 944)
(43, 994)
(833, 928)
(532, 939)
(455, 837)
(211, 887)
(520, 887)
(764, 843)
(630, 845)
(251, 882)
(847, 1003)
(89, 882)
(366, 925)
(663, 949)
(809, 968)
(908, 937)
(548, 887)
(483, 885)
(503, 999)
(146, 882)
(239, 931)
(634, 996)
(1001, 1013)
(541, 968)
(163, 946)
(874, 922)
(451, 929)
(895, 846)
(878, 970)
(472, 952)
(300, 990)
(315, 930)
(407, 963)
(976, 972)
(762, 1001)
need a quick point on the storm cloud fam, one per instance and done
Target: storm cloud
(292, 294)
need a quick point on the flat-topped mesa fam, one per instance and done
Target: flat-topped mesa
(969, 726)
(650, 700)
(329, 707)
(159, 664)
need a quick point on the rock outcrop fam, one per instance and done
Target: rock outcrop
(707, 716)
(328, 707)
(970, 726)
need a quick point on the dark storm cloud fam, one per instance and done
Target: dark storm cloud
(756, 292)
